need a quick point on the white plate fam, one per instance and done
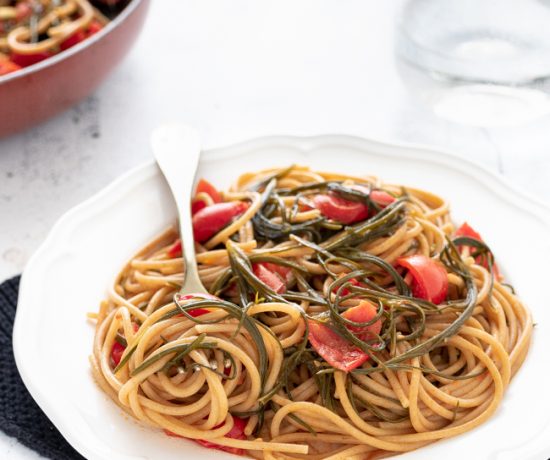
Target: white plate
(69, 275)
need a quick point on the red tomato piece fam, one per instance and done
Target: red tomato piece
(116, 352)
(195, 312)
(72, 40)
(22, 10)
(347, 211)
(7, 66)
(25, 60)
(237, 432)
(284, 272)
(118, 349)
(272, 279)
(429, 277)
(466, 230)
(363, 312)
(335, 349)
(197, 205)
(175, 249)
(346, 291)
(206, 187)
(94, 27)
(381, 198)
(210, 220)
(341, 210)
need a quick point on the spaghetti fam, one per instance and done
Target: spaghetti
(347, 319)
(34, 30)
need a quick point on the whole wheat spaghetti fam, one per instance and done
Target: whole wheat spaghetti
(347, 319)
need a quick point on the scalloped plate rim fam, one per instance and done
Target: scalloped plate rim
(105, 197)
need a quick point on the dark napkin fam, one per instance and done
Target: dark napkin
(20, 416)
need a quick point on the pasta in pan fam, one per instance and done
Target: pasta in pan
(34, 30)
(347, 319)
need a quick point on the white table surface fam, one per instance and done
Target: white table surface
(237, 70)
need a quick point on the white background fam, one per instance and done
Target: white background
(237, 70)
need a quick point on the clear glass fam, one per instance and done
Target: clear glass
(477, 62)
(489, 41)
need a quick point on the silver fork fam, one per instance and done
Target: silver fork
(176, 148)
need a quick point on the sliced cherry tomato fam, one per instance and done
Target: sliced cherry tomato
(347, 211)
(118, 349)
(206, 187)
(197, 205)
(429, 277)
(466, 230)
(345, 291)
(72, 40)
(7, 66)
(22, 10)
(195, 312)
(284, 272)
(363, 313)
(341, 210)
(237, 432)
(381, 198)
(116, 352)
(272, 279)
(210, 220)
(335, 349)
(175, 249)
(94, 27)
(25, 60)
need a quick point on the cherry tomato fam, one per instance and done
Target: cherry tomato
(210, 220)
(237, 432)
(429, 277)
(381, 198)
(363, 313)
(284, 272)
(22, 10)
(206, 187)
(335, 349)
(345, 291)
(195, 312)
(272, 279)
(94, 27)
(175, 249)
(341, 210)
(72, 40)
(118, 349)
(116, 353)
(466, 230)
(25, 60)
(197, 205)
(7, 66)
(347, 211)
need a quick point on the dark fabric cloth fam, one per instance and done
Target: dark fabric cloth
(20, 416)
